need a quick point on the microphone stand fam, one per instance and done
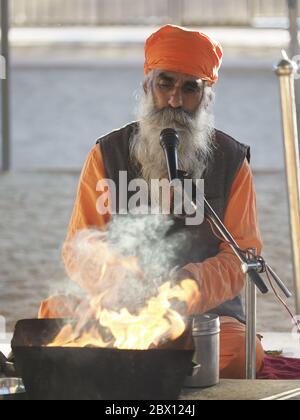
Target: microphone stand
(252, 265)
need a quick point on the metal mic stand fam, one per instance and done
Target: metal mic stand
(252, 265)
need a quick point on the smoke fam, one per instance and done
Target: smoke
(128, 262)
(127, 272)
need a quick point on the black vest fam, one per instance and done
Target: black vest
(200, 244)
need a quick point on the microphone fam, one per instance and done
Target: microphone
(169, 141)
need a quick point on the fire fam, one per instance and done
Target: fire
(157, 322)
(124, 310)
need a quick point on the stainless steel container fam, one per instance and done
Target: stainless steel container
(206, 362)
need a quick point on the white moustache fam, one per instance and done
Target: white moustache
(195, 131)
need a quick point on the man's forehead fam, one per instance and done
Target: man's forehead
(177, 76)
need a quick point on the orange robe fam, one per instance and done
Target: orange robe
(220, 278)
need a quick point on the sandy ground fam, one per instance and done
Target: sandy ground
(58, 112)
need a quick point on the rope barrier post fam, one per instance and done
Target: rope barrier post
(5, 83)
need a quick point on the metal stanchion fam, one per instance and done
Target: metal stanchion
(5, 87)
(250, 326)
(285, 71)
(293, 27)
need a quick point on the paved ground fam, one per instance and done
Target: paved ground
(59, 110)
(70, 85)
(245, 390)
(33, 218)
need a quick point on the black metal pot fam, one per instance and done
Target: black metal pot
(59, 373)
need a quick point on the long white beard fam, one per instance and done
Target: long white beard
(195, 133)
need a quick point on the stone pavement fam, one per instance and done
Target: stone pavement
(230, 389)
(34, 211)
(59, 109)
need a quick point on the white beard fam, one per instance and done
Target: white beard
(195, 134)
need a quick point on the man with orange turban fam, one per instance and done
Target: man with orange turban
(181, 67)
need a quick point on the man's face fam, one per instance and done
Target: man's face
(181, 102)
(177, 90)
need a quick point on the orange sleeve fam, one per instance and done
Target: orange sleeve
(85, 214)
(220, 278)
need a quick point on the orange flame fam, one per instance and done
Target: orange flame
(162, 318)
(155, 323)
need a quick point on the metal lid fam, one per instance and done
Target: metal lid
(205, 324)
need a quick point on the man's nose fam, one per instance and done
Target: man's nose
(175, 100)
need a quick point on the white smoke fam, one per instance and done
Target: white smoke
(128, 262)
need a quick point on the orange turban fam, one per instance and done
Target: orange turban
(180, 50)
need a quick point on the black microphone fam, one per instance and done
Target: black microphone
(169, 141)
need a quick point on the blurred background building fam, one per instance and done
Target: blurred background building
(76, 70)
(143, 12)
